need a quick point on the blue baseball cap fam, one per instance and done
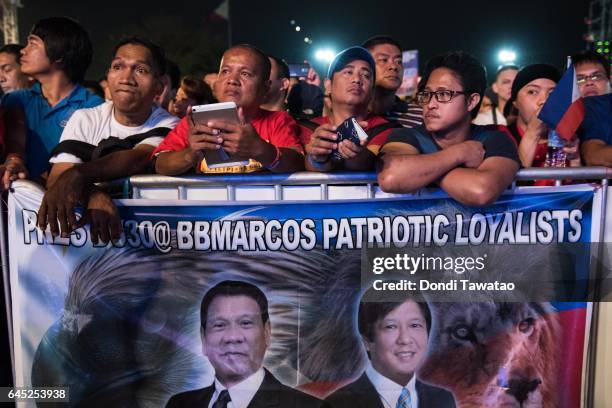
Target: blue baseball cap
(348, 55)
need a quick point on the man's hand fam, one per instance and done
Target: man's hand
(240, 139)
(69, 191)
(471, 153)
(13, 168)
(200, 138)
(535, 125)
(103, 217)
(312, 77)
(322, 142)
(349, 150)
(572, 151)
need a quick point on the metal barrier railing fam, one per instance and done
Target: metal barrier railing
(224, 187)
(321, 186)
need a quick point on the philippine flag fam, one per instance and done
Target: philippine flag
(564, 108)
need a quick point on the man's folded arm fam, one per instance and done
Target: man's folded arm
(405, 170)
(116, 165)
(483, 185)
(172, 163)
(596, 152)
(290, 161)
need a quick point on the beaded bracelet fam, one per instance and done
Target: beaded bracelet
(322, 166)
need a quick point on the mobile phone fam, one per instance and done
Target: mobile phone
(298, 70)
(349, 130)
(225, 111)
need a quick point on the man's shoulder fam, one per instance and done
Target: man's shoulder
(83, 97)
(92, 100)
(408, 114)
(287, 396)
(265, 115)
(416, 136)
(498, 135)
(87, 119)
(375, 120)
(97, 111)
(486, 131)
(161, 117)
(18, 98)
(193, 398)
(431, 396)
(361, 390)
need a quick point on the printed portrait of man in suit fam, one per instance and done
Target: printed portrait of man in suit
(236, 331)
(395, 335)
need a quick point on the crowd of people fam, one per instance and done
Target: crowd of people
(69, 134)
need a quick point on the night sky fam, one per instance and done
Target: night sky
(539, 31)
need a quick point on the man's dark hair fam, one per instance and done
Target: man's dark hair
(380, 39)
(14, 50)
(66, 43)
(197, 90)
(591, 56)
(469, 71)
(234, 288)
(283, 68)
(506, 68)
(158, 57)
(264, 62)
(375, 305)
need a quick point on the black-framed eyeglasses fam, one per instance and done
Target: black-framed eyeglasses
(443, 96)
(595, 77)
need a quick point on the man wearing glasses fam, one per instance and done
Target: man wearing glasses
(593, 78)
(592, 73)
(473, 164)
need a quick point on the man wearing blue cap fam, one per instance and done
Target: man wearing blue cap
(351, 78)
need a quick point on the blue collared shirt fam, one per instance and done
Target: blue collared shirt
(46, 123)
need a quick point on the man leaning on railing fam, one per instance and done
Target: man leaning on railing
(473, 164)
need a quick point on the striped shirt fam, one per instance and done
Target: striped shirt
(407, 114)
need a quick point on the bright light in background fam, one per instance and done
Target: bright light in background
(297, 28)
(506, 56)
(325, 55)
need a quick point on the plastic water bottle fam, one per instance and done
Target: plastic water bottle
(555, 157)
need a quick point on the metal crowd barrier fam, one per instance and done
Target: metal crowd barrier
(309, 185)
(325, 186)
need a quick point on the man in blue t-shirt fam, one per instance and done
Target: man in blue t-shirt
(473, 164)
(57, 56)
(596, 131)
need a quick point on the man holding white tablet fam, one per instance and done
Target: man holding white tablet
(268, 140)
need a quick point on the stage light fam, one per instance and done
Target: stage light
(325, 55)
(506, 56)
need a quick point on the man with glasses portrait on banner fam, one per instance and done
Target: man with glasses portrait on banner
(473, 164)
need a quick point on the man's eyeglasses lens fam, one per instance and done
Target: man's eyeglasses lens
(598, 76)
(424, 97)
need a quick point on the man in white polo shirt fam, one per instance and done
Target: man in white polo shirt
(107, 142)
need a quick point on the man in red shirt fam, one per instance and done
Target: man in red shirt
(351, 78)
(269, 139)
